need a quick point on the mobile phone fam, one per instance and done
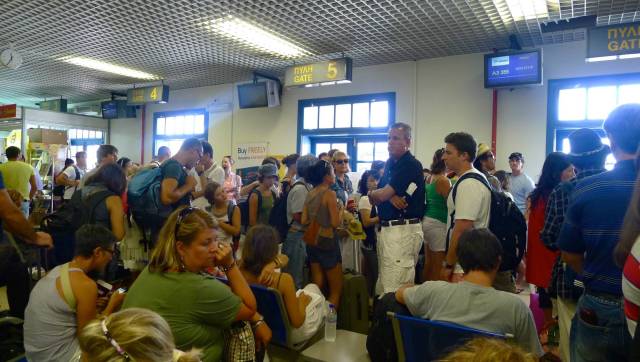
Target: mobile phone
(104, 288)
(589, 316)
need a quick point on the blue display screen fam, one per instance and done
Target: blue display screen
(512, 69)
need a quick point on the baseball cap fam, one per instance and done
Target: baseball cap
(268, 170)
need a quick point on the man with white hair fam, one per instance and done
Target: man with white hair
(400, 200)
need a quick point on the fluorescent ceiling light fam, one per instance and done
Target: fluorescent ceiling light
(256, 37)
(601, 59)
(109, 68)
(629, 56)
(527, 9)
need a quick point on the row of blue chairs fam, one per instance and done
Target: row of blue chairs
(419, 340)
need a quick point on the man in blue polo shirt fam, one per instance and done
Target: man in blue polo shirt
(588, 237)
(400, 199)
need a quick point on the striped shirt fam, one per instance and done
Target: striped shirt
(631, 287)
(593, 222)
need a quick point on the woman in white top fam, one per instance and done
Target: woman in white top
(226, 213)
(232, 182)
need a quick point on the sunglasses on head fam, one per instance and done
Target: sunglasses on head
(183, 214)
(341, 162)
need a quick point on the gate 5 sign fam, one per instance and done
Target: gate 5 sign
(330, 71)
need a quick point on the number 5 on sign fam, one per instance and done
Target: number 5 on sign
(154, 94)
(332, 71)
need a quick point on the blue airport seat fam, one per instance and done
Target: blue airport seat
(271, 307)
(419, 340)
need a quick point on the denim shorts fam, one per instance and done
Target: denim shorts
(327, 258)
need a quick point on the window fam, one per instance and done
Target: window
(172, 128)
(357, 125)
(586, 103)
(86, 140)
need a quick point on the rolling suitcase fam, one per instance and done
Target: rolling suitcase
(353, 314)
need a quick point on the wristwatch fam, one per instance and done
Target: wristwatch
(257, 323)
(226, 269)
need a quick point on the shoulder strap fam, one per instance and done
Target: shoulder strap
(298, 183)
(77, 172)
(67, 292)
(94, 200)
(472, 175)
(259, 195)
(454, 191)
(230, 208)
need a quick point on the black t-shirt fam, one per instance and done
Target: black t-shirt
(399, 174)
(173, 169)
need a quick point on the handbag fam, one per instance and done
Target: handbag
(310, 235)
(239, 343)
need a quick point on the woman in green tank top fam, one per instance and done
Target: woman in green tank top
(434, 223)
(260, 206)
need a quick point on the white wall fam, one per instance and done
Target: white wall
(126, 134)
(436, 96)
(63, 119)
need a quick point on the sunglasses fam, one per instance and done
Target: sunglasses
(342, 162)
(183, 214)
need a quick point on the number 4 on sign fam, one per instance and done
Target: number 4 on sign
(154, 93)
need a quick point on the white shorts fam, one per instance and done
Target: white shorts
(314, 315)
(398, 247)
(435, 234)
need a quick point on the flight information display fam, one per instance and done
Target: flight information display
(512, 69)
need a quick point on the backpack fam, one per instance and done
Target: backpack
(244, 207)
(143, 197)
(278, 216)
(381, 344)
(506, 222)
(59, 189)
(75, 213)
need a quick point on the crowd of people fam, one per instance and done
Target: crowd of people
(210, 238)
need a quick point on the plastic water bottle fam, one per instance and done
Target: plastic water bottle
(330, 324)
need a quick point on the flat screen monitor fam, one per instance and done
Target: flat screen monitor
(513, 69)
(117, 109)
(253, 95)
(110, 110)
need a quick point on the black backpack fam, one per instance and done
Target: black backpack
(75, 213)
(278, 216)
(506, 222)
(59, 189)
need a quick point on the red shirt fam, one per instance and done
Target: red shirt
(540, 260)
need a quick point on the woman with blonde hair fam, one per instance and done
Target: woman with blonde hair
(488, 350)
(198, 308)
(134, 334)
